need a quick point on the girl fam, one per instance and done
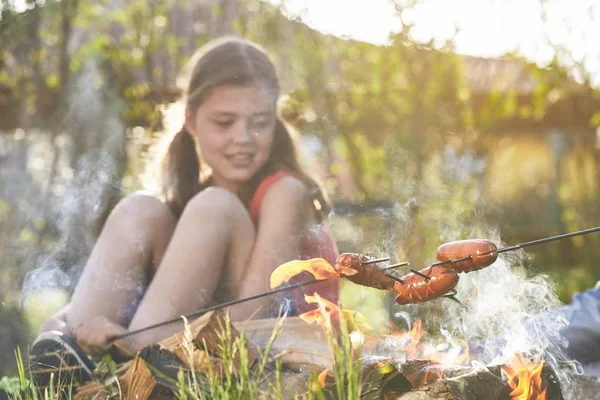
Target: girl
(224, 224)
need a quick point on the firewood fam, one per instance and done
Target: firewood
(207, 332)
(153, 371)
(429, 380)
(151, 375)
(297, 345)
(483, 385)
(96, 389)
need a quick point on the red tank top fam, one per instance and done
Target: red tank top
(323, 246)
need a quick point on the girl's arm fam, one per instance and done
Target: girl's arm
(285, 215)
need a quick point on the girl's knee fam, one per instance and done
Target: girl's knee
(143, 210)
(217, 201)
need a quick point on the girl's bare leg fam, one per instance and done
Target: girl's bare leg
(122, 262)
(213, 237)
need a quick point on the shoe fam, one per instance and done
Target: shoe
(56, 353)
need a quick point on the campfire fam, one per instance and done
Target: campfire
(441, 368)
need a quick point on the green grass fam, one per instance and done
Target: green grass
(234, 378)
(21, 387)
(347, 369)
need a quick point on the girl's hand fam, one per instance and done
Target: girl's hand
(95, 336)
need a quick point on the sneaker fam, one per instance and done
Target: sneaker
(56, 353)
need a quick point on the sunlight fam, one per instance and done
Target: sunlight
(486, 28)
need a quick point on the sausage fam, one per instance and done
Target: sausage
(417, 289)
(483, 253)
(349, 266)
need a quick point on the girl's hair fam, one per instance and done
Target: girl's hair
(222, 62)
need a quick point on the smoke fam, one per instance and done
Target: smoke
(48, 276)
(95, 147)
(507, 313)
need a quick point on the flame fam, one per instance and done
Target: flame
(318, 267)
(409, 341)
(452, 351)
(322, 377)
(525, 379)
(328, 313)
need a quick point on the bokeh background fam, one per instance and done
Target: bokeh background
(426, 121)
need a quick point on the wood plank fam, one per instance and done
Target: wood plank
(298, 343)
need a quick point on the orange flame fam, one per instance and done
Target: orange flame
(318, 267)
(408, 341)
(322, 377)
(450, 352)
(328, 313)
(525, 379)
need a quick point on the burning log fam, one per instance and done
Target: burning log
(386, 378)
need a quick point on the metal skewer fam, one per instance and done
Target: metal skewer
(238, 301)
(375, 261)
(422, 275)
(548, 239)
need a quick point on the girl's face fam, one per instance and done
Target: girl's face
(235, 128)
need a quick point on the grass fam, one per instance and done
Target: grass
(347, 370)
(21, 387)
(233, 377)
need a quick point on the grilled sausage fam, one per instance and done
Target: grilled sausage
(482, 254)
(349, 266)
(417, 289)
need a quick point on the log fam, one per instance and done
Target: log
(478, 384)
(427, 380)
(298, 344)
(207, 332)
(152, 374)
